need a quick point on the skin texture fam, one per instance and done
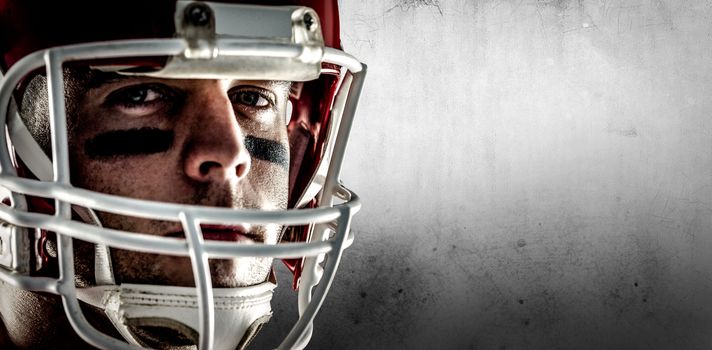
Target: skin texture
(195, 154)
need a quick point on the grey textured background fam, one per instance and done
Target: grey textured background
(535, 175)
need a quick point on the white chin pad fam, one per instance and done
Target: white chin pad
(146, 314)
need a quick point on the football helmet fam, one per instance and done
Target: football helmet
(295, 41)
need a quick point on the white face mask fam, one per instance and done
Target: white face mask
(136, 309)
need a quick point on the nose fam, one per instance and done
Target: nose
(215, 148)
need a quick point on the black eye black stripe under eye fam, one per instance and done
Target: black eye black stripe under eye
(129, 143)
(150, 140)
(268, 150)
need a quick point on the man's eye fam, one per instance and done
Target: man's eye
(142, 95)
(250, 98)
(139, 96)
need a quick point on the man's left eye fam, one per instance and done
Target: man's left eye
(250, 98)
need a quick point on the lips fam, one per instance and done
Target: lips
(226, 233)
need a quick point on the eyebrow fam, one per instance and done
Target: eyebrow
(99, 78)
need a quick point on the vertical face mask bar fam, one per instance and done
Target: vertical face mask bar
(296, 337)
(333, 176)
(60, 154)
(67, 291)
(58, 123)
(356, 74)
(311, 263)
(203, 283)
(19, 243)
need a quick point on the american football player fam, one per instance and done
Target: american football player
(158, 157)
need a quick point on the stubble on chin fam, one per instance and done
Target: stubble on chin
(160, 269)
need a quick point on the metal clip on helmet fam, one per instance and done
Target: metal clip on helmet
(294, 41)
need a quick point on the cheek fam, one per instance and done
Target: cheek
(268, 146)
(270, 151)
(105, 178)
(120, 177)
(266, 137)
(273, 182)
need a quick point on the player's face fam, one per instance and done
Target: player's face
(207, 142)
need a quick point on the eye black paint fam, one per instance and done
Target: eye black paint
(268, 150)
(130, 142)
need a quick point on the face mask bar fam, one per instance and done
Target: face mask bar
(327, 218)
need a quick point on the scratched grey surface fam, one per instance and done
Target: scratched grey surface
(535, 175)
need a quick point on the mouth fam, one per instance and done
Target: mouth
(225, 233)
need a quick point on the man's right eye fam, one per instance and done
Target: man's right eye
(138, 99)
(142, 95)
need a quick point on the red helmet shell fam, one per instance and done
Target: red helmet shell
(30, 25)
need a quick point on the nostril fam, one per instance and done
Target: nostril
(241, 170)
(206, 167)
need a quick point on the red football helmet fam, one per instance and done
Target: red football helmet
(295, 41)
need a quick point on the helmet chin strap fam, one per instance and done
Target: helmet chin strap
(103, 270)
(136, 310)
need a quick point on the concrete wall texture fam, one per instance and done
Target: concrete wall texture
(536, 174)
